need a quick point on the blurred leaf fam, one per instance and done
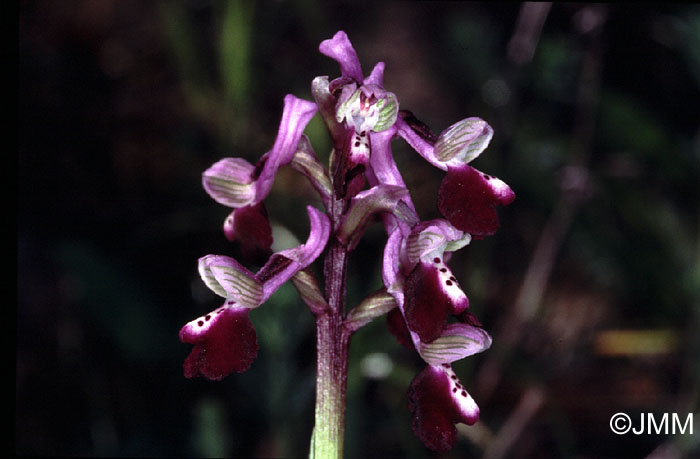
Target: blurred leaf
(180, 34)
(115, 299)
(470, 47)
(212, 430)
(626, 125)
(235, 42)
(555, 68)
(688, 30)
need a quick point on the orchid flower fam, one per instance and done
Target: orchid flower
(236, 183)
(427, 310)
(224, 339)
(415, 270)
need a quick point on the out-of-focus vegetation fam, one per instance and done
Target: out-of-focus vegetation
(591, 288)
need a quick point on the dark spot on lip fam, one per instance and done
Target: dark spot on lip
(207, 317)
(436, 260)
(449, 282)
(200, 323)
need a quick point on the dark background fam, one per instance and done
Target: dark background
(591, 288)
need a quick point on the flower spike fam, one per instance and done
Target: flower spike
(362, 184)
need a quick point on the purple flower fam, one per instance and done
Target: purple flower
(467, 197)
(359, 108)
(224, 339)
(438, 401)
(415, 269)
(234, 182)
(427, 310)
(416, 273)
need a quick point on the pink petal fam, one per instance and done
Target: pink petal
(228, 278)
(391, 262)
(419, 137)
(229, 181)
(285, 264)
(457, 341)
(378, 200)
(340, 49)
(295, 116)
(377, 75)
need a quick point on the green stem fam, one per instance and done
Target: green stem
(332, 342)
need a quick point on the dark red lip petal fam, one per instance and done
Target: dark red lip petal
(427, 306)
(468, 199)
(229, 344)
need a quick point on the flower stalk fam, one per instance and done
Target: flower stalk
(425, 306)
(332, 344)
(331, 385)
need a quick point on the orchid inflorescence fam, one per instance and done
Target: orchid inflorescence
(426, 308)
